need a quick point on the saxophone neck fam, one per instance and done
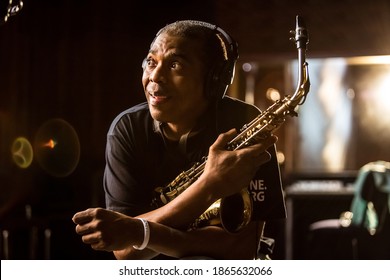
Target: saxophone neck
(303, 87)
(301, 40)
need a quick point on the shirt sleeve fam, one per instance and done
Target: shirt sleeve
(122, 190)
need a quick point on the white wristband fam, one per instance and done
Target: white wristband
(146, 235)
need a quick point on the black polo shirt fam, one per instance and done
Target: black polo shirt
(139, 158)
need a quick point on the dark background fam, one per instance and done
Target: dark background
(80, 60)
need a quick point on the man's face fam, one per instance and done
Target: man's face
(173, 80)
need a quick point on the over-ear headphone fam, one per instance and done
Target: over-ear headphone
(221, 74)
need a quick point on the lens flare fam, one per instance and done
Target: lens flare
(57, 148)
(22, 152)
(50, 144)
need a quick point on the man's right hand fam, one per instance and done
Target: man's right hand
(230, 171)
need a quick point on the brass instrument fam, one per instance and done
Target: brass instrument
(234, 212)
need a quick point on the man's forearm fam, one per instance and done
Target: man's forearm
(132, 254)
(184, 209)
(215, 243)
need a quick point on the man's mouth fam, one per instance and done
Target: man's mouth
(156, 99)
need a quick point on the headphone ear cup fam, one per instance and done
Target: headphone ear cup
(211, 83)
(219, 79)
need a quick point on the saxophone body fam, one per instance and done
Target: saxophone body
(234, 212)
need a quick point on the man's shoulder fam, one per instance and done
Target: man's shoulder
(242, 111)
(136, 111)
(136, 114)
(229, 103)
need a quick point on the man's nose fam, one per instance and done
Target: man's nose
(157, 75)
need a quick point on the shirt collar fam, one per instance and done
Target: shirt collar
(204, 121)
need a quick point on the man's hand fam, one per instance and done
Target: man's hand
(231, 171)
(108, 230)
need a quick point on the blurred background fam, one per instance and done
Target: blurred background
(68, 67)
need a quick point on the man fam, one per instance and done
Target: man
(186, 117)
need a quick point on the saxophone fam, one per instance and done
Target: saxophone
(234, 212)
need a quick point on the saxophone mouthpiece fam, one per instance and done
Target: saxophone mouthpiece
(301, 36)
(300, 23)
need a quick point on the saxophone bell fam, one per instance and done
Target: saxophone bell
(232, 213)
(236, 211)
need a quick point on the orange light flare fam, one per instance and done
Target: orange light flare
(50, 144)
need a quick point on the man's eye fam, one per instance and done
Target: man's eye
(175, 65)
(151, 62)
